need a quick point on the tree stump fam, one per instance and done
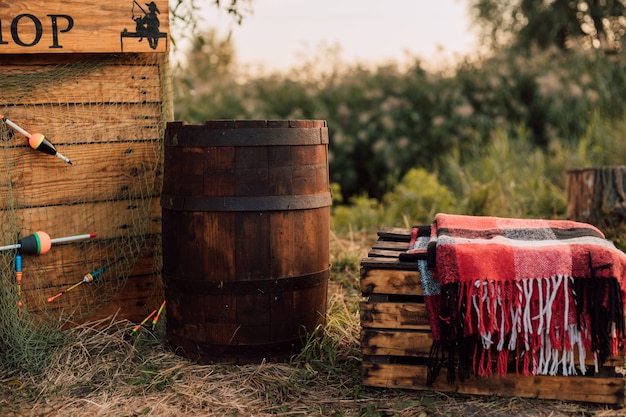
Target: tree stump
(598, 196)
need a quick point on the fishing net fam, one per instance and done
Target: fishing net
(107, 115)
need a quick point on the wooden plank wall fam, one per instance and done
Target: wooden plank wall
(107, 114)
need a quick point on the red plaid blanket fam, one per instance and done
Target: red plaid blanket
(521, 293)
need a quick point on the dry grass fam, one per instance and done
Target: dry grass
(104, 370)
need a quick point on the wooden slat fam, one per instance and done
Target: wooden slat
(394, 316)
(134, 301)
(90, 123)
(86, 296)
(394, 233)
(564, 388)
(417, 343)
(101, 84)
(396, 343)
(35, 61)
(99, 172)
(142, 283)
(391, 245)
(391, 281)
(66, 265)
(387, 263)
(107, 219)
(383, 253)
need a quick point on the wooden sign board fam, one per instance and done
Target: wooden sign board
(77, 26)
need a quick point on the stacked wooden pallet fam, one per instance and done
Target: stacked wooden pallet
(396, 339)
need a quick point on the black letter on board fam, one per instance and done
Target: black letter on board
(38, 30)
(55, 28)
(1, 41)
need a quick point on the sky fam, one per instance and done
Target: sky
(277, 34)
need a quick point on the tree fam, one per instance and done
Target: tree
(187, 13)
(597, 24)
(202, 82)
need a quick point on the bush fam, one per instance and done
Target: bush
(508, 178)
(363, 214)
(417, 199)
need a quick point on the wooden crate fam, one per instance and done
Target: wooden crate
(106, 110)
(396, 339)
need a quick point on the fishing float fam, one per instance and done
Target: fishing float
(155, 320)
(40, 242)
(18, 278)
(144, 321)
(37, 141)
(87, 278)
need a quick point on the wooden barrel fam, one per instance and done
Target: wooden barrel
(246, 230)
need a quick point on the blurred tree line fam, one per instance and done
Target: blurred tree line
(523, 24)
(493, 135)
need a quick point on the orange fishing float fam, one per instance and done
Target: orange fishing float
(37, 141)
(40, 242)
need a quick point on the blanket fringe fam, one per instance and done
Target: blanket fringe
(548, 324)
(434, 363)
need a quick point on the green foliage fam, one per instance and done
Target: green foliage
(206, 74)
(553, 95)
(525, 24)
(361, 214)
(494, 137)
(346, 252)
(509, 177)
(490, 129)
(602, 144)
(417, 198)
(335, 192)
(384, 121)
